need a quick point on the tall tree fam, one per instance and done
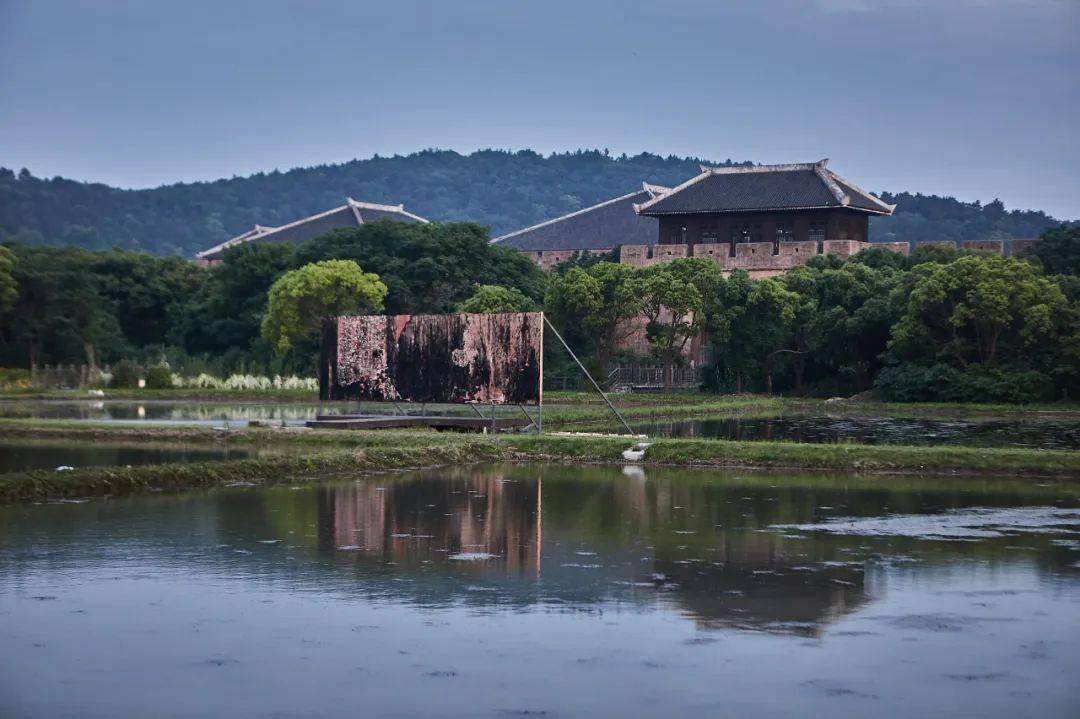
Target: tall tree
(9, 288)
(1059, 250)
(300, 299)
(224, 316)
(598, 305)
(428, 267)
(979, 310)
(674, 303)
(492, 299)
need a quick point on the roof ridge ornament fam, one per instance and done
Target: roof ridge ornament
(654, 190)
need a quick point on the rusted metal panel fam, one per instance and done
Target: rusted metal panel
(486, 358)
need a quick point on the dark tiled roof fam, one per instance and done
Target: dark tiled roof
(766, 187)
(351, 214)
(600, 227)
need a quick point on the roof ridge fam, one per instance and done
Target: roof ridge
(256, 231)
(837, 191)
(674, 190)
(788, 167)
(560, 218)
(873, 198)
(400, 209)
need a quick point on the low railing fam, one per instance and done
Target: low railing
(642, 377)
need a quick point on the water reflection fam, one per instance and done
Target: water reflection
(569, 591)
(32, 455)
(469, 519)
(1045, 434)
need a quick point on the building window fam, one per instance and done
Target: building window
(817, 232)
(784, 233)
(710, 236)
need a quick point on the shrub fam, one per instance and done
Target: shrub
(14, 378)
(943, 383)
(159, 377)
(125, 375)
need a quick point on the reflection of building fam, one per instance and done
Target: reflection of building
(693, 546)
(410, 523)
(351, 214)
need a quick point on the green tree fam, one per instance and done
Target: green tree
(224, 316)
(1059, 250)
(750, 327)
(428, 268)
(9, 288)
(301, 298)
(596, 307)
(61, 314)
(970, 310)
(490, 299)
(846, 312)
(675, 296)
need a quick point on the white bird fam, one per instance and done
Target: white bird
(636, 453)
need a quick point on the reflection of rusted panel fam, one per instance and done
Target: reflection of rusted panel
(433, 358)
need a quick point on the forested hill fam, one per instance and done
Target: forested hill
(505, 190)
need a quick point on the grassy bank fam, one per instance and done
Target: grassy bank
(117, 481)
(308, 455)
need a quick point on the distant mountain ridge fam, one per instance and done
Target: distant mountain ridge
(504, 190)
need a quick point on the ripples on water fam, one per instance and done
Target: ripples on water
(504, 591)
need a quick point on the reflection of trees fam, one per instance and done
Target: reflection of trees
(773, 596)
(702, 543)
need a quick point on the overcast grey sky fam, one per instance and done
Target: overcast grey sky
(973, 98)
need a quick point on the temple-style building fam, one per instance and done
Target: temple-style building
(352, 214)
(764, 219)
(596, 229)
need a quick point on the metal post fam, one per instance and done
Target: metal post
(586, 372)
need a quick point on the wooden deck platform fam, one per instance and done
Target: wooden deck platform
(387, 421)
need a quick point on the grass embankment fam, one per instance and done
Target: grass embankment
(301, 456)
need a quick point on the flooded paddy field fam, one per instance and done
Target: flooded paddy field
(549, 591)
(215, 413)
(1007, 432)
(19, 456)
(1054, 432)
(161, 411)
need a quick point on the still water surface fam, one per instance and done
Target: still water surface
(1002, 432)
(1037, 433)
(516, 591)
(31, 455)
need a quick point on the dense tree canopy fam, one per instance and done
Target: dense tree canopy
(492, 299)
(9, 288)
(595, 305)
(942, 324)
(503, 190)
(428, 268)
(1059, 250)
(300, 299)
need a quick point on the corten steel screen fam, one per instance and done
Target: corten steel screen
(434, 358)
